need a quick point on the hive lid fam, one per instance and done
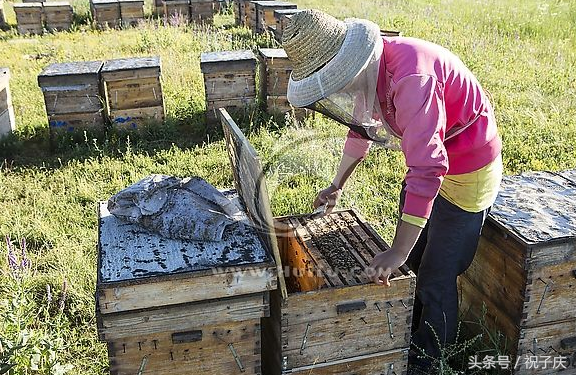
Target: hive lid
(250, 183)
(226, 56)
(275, 4)
(273, 53)
(57, 4)
(287, 11)
(128, 252)
(71, 68)
(131, 63)
(537, 207)
(27, 5)
(98, 2)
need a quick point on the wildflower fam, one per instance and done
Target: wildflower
(25, 262)
(12, 261)
(48, 294)
(62, 300)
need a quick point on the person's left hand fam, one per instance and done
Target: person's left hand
(382, 265)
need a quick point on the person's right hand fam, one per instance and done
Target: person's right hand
(328, 196)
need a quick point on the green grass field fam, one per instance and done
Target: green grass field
(524, 54)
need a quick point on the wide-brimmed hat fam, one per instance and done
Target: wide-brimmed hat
(326, 53)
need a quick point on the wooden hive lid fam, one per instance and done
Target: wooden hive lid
(27, 6)
(104, 2)
(133, 64)
(57, 4)
(130, 2)
(282, 12)
(62, 72)
(251, 186)
(273, 53)
(227, 61)
(276, 4)
(537, 207)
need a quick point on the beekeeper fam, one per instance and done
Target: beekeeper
(419, 97)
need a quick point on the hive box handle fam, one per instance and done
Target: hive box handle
(188, 336)
(345, 307)
(568, 343)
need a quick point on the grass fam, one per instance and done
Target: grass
(523, 53)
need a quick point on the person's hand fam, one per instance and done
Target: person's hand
(328, 196)
(382, 265)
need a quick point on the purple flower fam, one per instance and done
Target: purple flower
(62, 300)
(25, 262)
(12, 261)
(48, 294)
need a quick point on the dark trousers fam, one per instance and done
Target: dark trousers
(444, 250)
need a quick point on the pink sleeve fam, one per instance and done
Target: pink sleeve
(421, 116)
(356, 146)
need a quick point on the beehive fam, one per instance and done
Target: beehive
(330, 319)
(7, 121)
(177, 9)
(238, 12)
(525, 269)
(265, 21)
(131, 12)
(2, 16)
(167, 306)
(72, 95)
(229, 80)
(202, 11)
(29, 18)
(275, 69)
(133, 91)
(58, 15)
(106, 13)
(281, 16)
(251, 14)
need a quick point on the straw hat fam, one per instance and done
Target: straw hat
(326, 53)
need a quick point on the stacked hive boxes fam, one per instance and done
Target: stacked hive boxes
(327, 317)
(29, 17)
(238, 12)
(58, 15)
(229, 80)
(131, 12)
(282, 16)
(133, 91)
(106, 13)
(251, 14)
(275, 69)
(7, 122)
(168, 306)
(72, 95)
(525, 269)
(265, 20)
(202, 11)
(176, 9)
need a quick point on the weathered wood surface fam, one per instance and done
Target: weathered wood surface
(70, 73)
(225, 348)
(69, 122)
(106, 13)
(281, 16)
(384, 363)
(179, 8)
(131, 12)
(230, 86)
(227, 61)
(275, 69)
(250, 183)
(183, 317)
(145, 66)
(136, 117)
(58, 15)
(202, 12)
(7, 121)
(265, 13)
(129, 94)
(537, 207)
(237, 12)
(29, 18)
(252, 14)
(2, 16)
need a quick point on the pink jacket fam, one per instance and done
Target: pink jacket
(425, 92)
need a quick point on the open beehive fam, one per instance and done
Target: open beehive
(58, 15)
(524, 272)
(72, 95)
(133, 91)
(29, 18)
(131, 12)
(106, 13)
(265, 21)
(7, 121)
(330, 318)
(229, 80)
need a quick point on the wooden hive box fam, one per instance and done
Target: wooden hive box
(327, 317)
(3, 23)
(229, 80)
(7, 121)
(72, 95)
(525, 269)
(202, 11)
(265, 20)
(131, 12)
(133, 91)
(177, 9)
(167, 306)
(238, 12)
(281, 16)
(251, 12)
(106, 13)
(58, 15)
(29, 18)
(275, 69)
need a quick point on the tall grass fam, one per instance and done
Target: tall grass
(523, 53)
